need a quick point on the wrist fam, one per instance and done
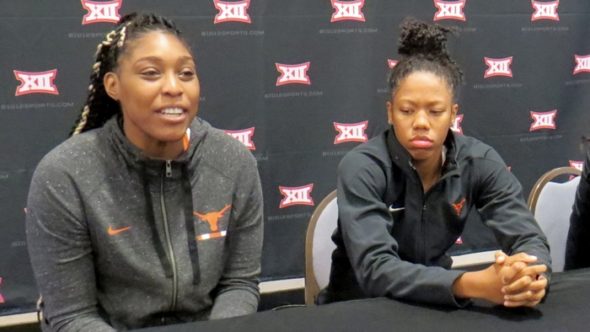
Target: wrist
(467, 285)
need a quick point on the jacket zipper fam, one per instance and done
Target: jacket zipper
(168, 173)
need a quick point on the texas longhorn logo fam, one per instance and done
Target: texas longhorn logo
(296, 195)
(545, 10)
(36, 82)
(293, 74)
(212, 219)
(498, 67)
(234, 11)
(351, 132)
(244, 136)
(543, 120)
(458, 207)
(348, 11)
(101, 11)
(449, 10)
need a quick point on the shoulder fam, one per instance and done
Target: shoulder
(472, 149)
(66, 168)
(220, 150)
(368, 159)
(75, 154)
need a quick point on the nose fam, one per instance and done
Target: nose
(421, 120)
(171, 85)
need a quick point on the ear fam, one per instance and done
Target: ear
(454, 111)
(389, 106)
(111, 85)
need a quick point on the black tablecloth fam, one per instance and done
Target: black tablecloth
(567, 308)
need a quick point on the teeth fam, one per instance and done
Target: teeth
(172, 111)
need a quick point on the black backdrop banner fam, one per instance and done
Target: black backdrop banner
(300, 83)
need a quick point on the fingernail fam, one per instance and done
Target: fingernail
(533, 257)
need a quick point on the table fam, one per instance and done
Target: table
(567, 308)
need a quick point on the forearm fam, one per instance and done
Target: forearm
(503, 209)
(234, 302)
(61, 257)
(509, 281)
(470, 286)
(90, 322)
(398, 279)
(237, 291)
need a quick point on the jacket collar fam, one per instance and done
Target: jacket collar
(133, 156)
(402, 159)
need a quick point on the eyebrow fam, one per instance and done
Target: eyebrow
(158, 59)
(430, 103)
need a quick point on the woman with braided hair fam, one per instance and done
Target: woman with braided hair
(146, 215)
(404, 197)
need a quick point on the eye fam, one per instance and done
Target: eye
(436, 112)
(406, 111)
(150, 73)
(187, 74)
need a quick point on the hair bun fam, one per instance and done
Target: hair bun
(418, 37)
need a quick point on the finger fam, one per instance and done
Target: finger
(521, 304)
(508, 272)
(517, 286)
(532, 304)
(511, 304)
(520, 257)
(538, 296)
(525, 296)
(538, 285)
(500, 257)
(532, 270)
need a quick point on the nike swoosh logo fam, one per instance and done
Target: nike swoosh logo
(114, 231)
(392, 209)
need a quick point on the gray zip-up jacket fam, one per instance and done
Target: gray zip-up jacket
(392, 238)
(121, 241)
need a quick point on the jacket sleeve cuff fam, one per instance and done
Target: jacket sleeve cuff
(235, 302)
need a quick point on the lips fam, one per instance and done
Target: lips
(173, 111)
(172, 115)
(421, 143)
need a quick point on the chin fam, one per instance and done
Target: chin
(419, 156)
(171, 137)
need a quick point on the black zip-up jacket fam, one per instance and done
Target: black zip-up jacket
(392, 238)
(577, 253)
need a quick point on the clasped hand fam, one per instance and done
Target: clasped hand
(518, 281)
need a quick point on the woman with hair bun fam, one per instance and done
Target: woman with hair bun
(404, 197)
(146, 215)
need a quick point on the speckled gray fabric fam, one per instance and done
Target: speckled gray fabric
(108, 254)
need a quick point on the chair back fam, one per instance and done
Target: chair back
(319, 246)
(551, 203)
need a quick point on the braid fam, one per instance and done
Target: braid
(422, 47)
(99, 106)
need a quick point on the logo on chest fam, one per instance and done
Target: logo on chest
(212, 219)
(458, 207)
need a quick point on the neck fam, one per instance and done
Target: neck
(163, 150)
(429, 171)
